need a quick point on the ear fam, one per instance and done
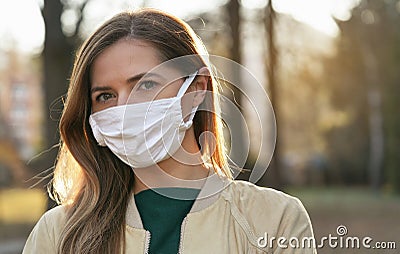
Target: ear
(199, 86)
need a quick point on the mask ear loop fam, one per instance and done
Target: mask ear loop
(181, 92)
(186, 84)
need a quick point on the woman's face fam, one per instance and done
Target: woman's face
(120, 75)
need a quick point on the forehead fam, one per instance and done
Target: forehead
(125, 57)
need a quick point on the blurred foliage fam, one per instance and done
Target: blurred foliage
(328, 123)
(372, 30)
(345, 81)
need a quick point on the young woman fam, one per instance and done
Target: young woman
(142, 167)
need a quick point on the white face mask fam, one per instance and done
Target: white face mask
(143, 134)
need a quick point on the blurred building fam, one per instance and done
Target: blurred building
(21, 102)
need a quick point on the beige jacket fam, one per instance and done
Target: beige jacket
(227, 217)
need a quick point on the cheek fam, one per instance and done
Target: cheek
(187, 103)
(96, 107)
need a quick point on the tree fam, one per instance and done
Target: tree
(57, 59)
(235, 53)
(364, 83)
(273, 176)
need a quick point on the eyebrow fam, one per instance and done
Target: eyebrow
(130, 80)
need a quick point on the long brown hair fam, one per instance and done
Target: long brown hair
(93, 184)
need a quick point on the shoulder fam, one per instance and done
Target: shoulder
(53, 220)
(45, 234)
(57, 213)
(266, 211)
(246, 194)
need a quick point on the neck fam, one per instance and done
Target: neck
(184, 169)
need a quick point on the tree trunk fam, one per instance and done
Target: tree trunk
(272, 177)
(56, 55)
(375, 117)
(236, 127)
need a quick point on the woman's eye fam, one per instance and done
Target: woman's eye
(147, 85)
(104, 97)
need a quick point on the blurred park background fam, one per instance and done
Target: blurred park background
(330, 67)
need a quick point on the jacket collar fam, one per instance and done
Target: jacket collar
(209, 194)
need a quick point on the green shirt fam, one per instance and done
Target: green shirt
(162, 215)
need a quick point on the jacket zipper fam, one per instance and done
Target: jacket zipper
(181, 237)
(147, 242)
